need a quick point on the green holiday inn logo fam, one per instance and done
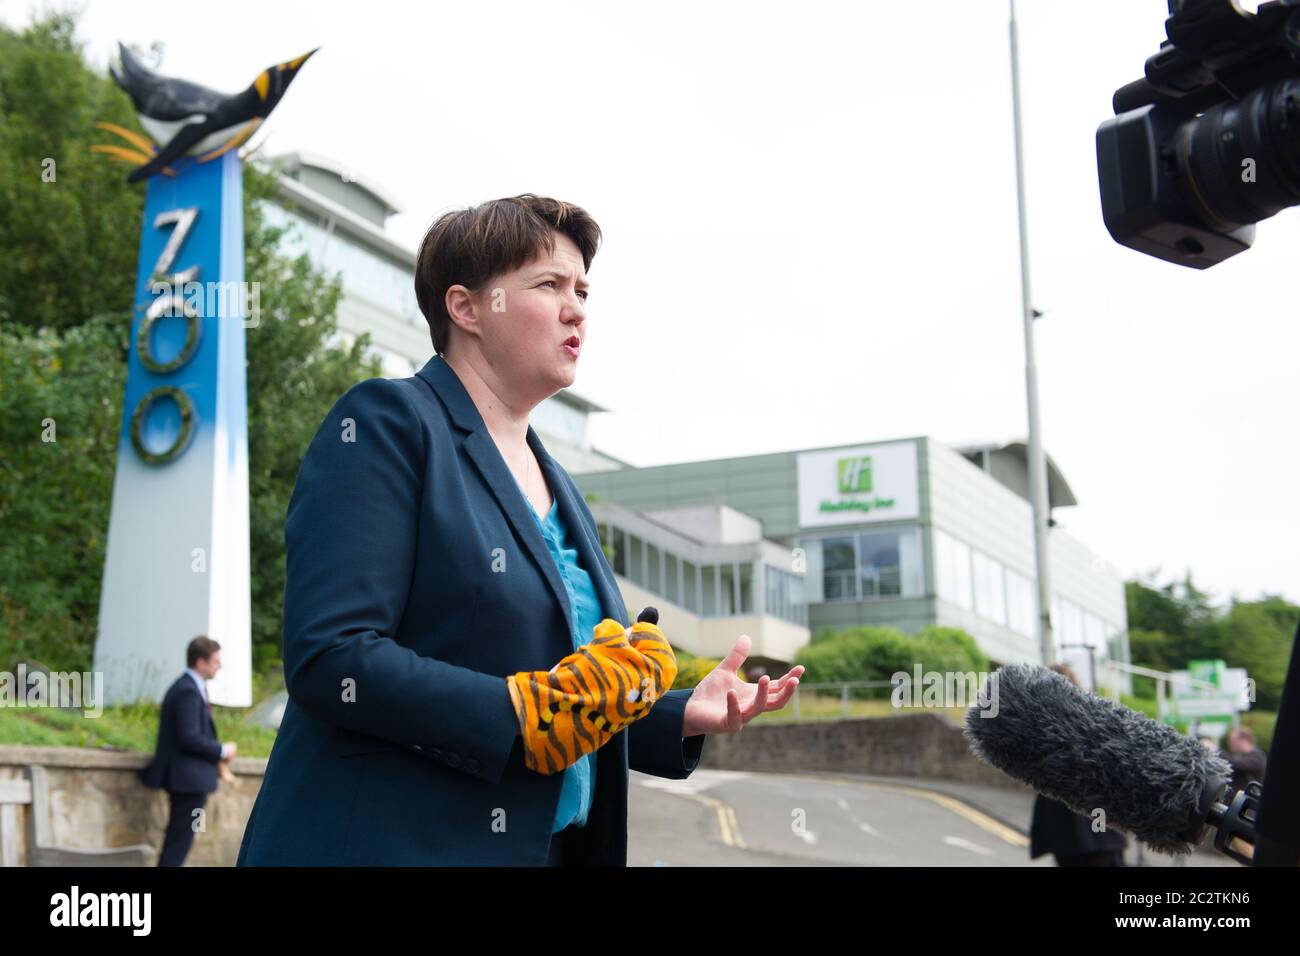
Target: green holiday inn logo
(855, 477)
(855, 474)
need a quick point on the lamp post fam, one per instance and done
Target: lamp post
(1037, 461)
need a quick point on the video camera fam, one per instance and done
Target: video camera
(1208, 142)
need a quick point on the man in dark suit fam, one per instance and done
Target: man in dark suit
(188, 752)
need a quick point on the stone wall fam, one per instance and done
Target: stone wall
(907, 745)
(96, 799)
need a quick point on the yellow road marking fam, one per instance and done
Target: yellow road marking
(729, 825)
(735, 827)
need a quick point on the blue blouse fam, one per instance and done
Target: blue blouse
(579, 784)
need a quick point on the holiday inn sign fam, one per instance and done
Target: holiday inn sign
(853, 485)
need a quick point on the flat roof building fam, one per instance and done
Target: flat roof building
(905, 534)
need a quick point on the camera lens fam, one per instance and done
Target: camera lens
(1242, 159)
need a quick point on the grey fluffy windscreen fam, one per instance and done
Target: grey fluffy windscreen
(1089, 752)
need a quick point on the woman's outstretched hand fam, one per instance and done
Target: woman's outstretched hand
(722, 703)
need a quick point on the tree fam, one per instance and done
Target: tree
(1152, 608)
(1259, 636)
(69, 224)
(1183, 615)
(1174, 623)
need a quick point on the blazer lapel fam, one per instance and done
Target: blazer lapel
(485, 455)
(589, 551)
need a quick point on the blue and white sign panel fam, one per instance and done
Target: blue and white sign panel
(177, 562)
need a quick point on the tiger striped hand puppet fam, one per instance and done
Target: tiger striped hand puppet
(579, 704)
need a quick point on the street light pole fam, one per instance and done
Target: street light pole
(1037, 461)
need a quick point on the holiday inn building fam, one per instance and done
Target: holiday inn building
(903, 534)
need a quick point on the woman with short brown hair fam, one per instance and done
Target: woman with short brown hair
(444, 573)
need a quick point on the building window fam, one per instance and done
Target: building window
(636, 560)
(709, 593)
(1068, 622)
(879, 573)
(945, 584)
(1094, 632)
(952, 568)
(671, 591)
(691, 595)
(784, 595)
(746, 579)
(653, 580)
(872, 564)
(1073, 623)
(990, 589)
(774, 600)
(364, 271)
(839, 569)
(973, 580)
(1022, 604)
(727, 597)
(611, 542)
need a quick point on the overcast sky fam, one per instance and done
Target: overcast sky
(810, 232)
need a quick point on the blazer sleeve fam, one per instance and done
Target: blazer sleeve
(655, 744)
(192, 726)
(350, 539)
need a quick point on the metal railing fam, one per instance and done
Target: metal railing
(1109, 675)
(842, 688)
(1108, 679)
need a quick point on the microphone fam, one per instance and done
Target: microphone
(1091, 753)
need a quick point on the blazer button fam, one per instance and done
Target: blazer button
(453, 760)
(471, 765)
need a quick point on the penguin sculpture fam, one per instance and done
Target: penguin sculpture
(186, 119)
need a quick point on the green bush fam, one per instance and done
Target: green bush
(691, 669)
(1142, 704)
(877, 653)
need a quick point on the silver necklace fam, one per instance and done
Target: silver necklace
(528, 471)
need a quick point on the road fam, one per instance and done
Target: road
(730, 818)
